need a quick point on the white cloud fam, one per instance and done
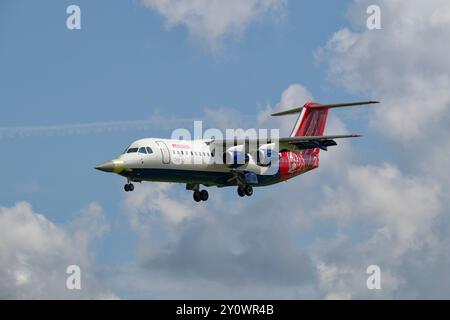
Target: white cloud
(295, 95)
(379, 192)
(214, 20)
(157, 198)
(401, 210)
(397, 211)
(220, 243)
(405, 65)
(225, 118)
(34, 253)
(344, 282)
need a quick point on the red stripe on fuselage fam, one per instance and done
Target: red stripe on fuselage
(293, 164)
(180, 146)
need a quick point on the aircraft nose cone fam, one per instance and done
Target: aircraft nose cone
(108, 166)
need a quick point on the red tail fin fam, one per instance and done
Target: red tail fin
(313, 117)
(311, 121)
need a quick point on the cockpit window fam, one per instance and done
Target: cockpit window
(149, 150)
(142, 150)
(125, 151)
(132, 150)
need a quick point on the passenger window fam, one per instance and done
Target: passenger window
(142, 150)
(149, 150)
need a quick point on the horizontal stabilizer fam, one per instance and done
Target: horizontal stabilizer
(328, 106)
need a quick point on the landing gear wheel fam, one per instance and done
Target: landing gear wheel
(126, 187)
(131, 187)
(248, 190)
(241, 191)
(204, 195)
(197, 196)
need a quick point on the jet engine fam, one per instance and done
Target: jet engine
(235, 159)
(265, 155)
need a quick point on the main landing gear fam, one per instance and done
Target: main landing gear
(200, 195)
(246, 190)
(128, 187)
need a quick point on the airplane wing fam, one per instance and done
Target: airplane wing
(303, 143)
(290, 143)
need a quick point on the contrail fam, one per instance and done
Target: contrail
(87, 128)
(159, 122)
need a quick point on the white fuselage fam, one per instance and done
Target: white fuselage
(195, 155)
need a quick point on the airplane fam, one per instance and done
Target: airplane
(247, 163)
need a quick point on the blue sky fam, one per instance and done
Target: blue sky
(127, 64)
